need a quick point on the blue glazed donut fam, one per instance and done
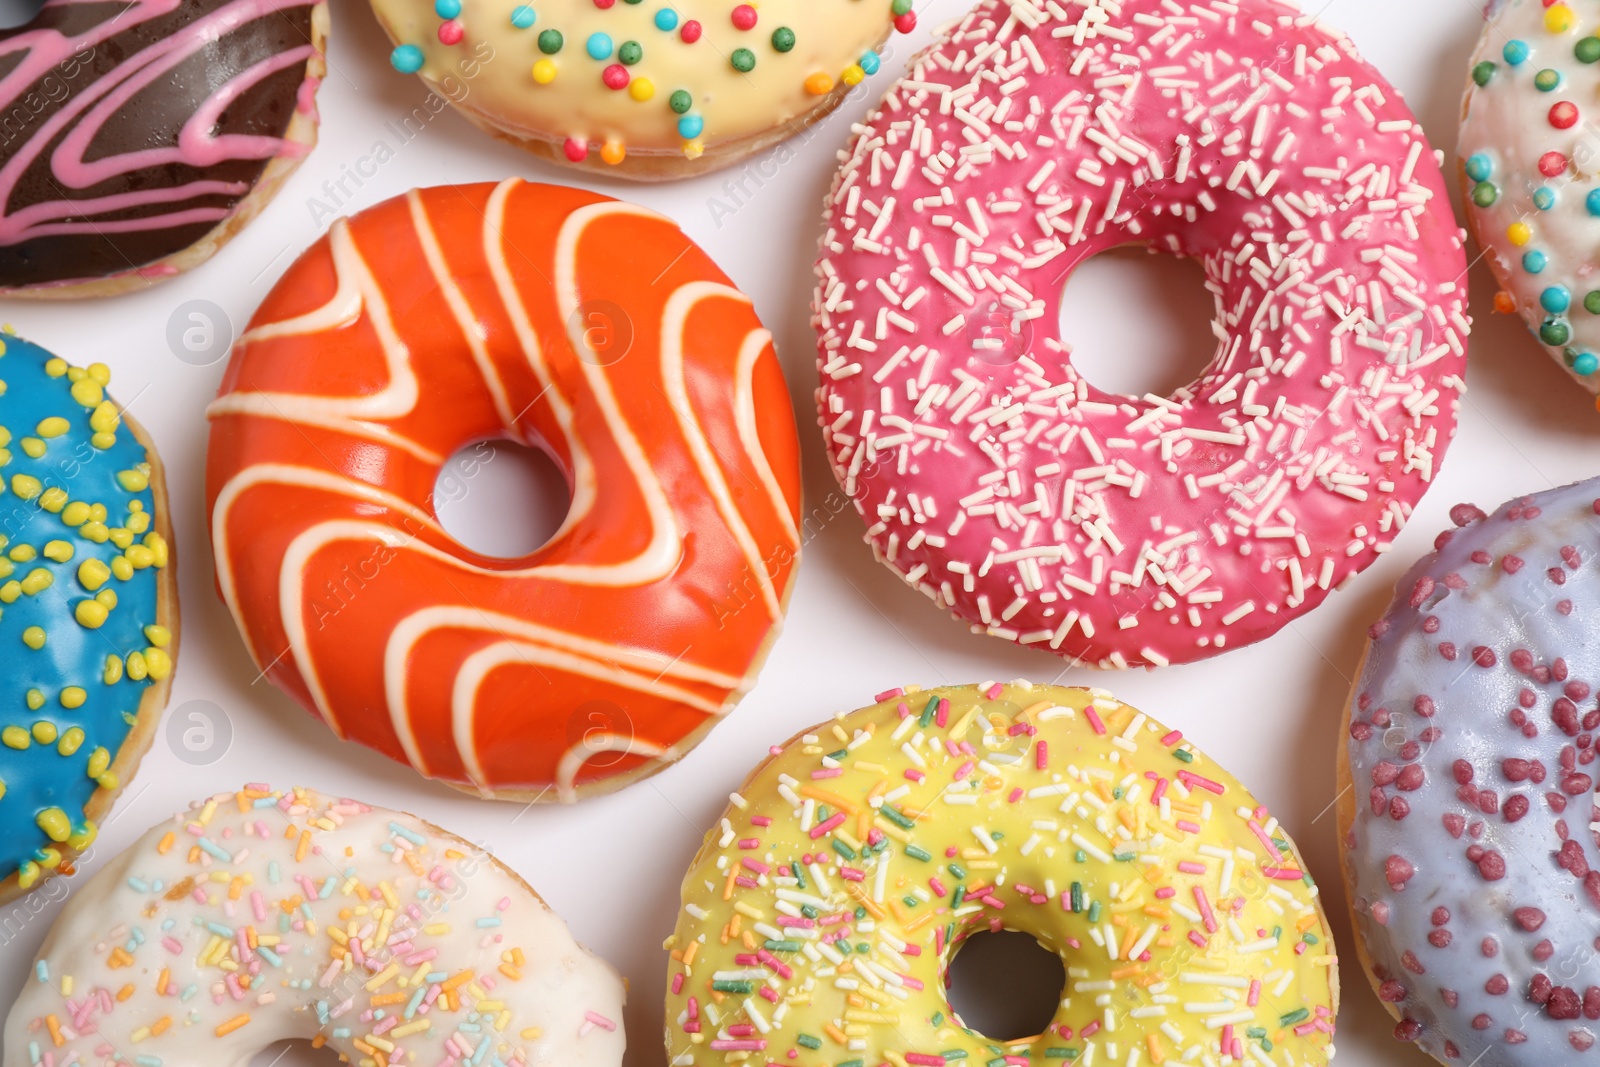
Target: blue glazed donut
(88, 607)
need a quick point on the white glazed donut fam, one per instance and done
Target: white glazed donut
(259, 917)
(1529, 168)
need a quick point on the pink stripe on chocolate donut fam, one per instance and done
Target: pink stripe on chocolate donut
(134, 130)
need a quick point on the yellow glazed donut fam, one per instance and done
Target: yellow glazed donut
(649, 91)
(821, 914)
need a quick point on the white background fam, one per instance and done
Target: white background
(611, 866)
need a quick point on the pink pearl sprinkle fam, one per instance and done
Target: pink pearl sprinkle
(451, 32)
(744, 17)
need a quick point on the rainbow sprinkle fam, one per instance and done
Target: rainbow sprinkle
(259, 915)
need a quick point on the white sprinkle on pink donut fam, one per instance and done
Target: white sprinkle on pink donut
(1121, 530)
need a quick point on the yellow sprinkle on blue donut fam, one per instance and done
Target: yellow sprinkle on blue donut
(76, 507)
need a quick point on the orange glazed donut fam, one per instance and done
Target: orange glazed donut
(467, 313)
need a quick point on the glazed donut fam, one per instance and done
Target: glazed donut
(140, 136)
(257, 917)
(821, 914)
(644, 91)
(88, 608)
(1467, 817)
(1121, 530)
(1531, 184)
(578, 324)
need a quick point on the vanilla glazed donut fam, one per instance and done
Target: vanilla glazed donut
(1468, 820)
(644, 91)
(574, 323)
(1530, 174)
(88, 608)
(821, 915)
(139, 136)
(260, 916)
(1120, 530)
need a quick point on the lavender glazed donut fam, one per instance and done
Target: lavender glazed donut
(138, 136)
(1122, 530)
(1469, 842)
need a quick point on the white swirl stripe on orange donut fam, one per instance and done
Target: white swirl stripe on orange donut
(261, 916)
(1122, 530)
(611, 649)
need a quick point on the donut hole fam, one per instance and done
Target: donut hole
(295, 1054)
(501, 498)
(1137, 321)
(14, 13)
(1005, 985)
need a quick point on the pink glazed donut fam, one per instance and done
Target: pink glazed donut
(1118, 530)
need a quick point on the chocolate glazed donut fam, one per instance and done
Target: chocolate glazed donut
(137, 136)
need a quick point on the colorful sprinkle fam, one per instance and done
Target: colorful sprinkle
(453, 957)
(1009, 833)
(407, 59)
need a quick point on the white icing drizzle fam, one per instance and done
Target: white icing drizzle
(357, 294)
